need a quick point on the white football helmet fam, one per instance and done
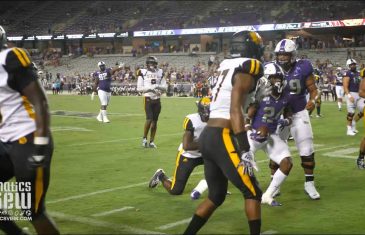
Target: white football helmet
(350, 61)
(286, 46)
(101, 65)
(272, 70)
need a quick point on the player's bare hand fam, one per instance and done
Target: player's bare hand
(310, 105)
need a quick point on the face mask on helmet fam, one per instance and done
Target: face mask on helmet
(286, 53)
(247, 44)
(274, 74)
(101, 65)
(203, 108)
(277, 84)
(351, 64)
(151, 63)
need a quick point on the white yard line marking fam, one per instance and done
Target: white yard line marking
(270, 232)
(112, 211)
(335, 147)
(117, 140)
(78, 112)
(343, 153)
(103, 224)
(69, 128)
(171, 225)
(73, 116)
(96, 193)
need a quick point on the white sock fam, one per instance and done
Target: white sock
(202, 186)
(100, 112)
(276, 181)
(349, 128)
(339, 104)
(103, 112)
(353, 125)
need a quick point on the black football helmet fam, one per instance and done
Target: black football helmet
(151, 63)
(3, 38)
(247, 44)
(203, 108)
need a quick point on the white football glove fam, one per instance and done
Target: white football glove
(248, 162)
(92, 95)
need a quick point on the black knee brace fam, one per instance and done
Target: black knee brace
(308, 162)
(350, 116)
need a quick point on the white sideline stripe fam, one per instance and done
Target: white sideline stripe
(270, 232)
(145, 183)
(103, 224)
(96, 193)
(171, 225)
(113, 211)
(117, 140)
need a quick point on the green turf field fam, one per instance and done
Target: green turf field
(100, 174)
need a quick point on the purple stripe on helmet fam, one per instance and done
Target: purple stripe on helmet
(282, 45)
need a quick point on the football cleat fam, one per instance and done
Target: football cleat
(144, 142)
(310, 189)
(195, 195)
(105, 119)
(155, 178)
(99, 118)
(354, 130)
(152, 145)
(267, 199)
(350, 132)
(360, 163)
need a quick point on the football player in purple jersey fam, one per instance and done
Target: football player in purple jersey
(300, 79)
(267, 113)
(103, 79)
(351, 84)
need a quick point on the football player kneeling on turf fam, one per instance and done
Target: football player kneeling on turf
(188, 156)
